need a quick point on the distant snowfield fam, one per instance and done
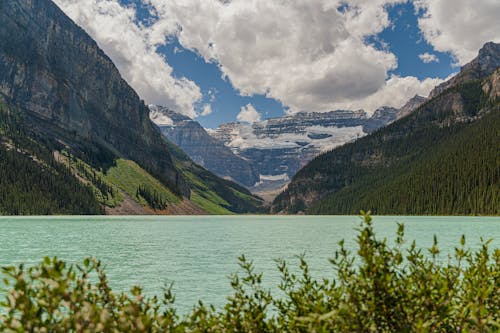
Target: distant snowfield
(319, 138)
(272, 178)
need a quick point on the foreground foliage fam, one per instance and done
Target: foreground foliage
(381, 289)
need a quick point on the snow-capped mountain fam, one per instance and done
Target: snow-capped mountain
(265, 155)
(279, 147)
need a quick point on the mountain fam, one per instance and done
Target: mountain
(78, 132)
(278, 147)
(32, 181)
(265, 155)
(410, 106)
(213, 194)
(201, 147)
(487, 61)
(69, 91)
(440, 159)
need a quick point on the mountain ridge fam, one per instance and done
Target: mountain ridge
(75, 94)
(390, 159)
(273, 149)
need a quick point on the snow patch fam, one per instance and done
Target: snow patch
(282, 178)
(244, 137)
(158, 117)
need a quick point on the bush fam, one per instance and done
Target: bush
(381, 289)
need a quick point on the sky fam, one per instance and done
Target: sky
(219, 61)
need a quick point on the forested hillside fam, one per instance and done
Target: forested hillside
(458, 176)
(442, 159)
(31, 181)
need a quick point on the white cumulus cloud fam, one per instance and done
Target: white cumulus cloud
(427, 58)
(132, 47)
(207, 109)
(307, 54)
(310, 55)
(248, 114)
(395, 92)
(459, 26)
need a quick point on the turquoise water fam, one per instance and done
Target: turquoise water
(199, 253)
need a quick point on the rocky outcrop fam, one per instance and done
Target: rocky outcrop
(491, 87)
(414, 103)
(70, 91)
(487, 61)
(202, 148)
(381, 117)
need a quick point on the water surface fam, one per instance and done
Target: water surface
(199, 253)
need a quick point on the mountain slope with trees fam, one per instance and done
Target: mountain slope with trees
(77, 132)
(32, 182)
(441, 159)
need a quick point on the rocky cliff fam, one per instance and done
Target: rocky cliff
(69, 91)
(76, 124)
(201, 147)
(487, 61)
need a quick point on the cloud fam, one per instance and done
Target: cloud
(212, 94)
(428, 58)
(248, 114)
(459, 26)
(310, 55)
(207, 109)
(305, 53)
(395, 92)
(132, 47)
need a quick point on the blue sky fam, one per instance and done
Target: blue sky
(267, 58)
(407, 43)
(226, 99)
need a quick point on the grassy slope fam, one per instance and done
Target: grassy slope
(214, 194)
(124, 177)
(128, 176)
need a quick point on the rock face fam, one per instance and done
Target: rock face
(487, 61)
(410, 106)
(201, 147)
(70, 91)
(492, 86)
(279, 147)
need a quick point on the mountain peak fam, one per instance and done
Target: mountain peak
(411, 105)
(483, 65)
(163, 116)
(488, 58)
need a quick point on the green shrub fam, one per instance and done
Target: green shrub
(381, 288)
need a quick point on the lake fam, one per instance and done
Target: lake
(199, 253)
